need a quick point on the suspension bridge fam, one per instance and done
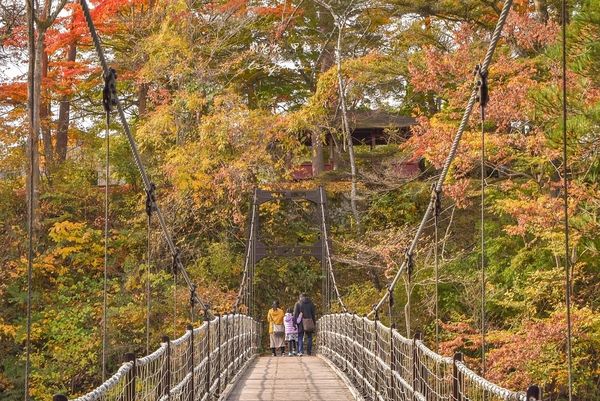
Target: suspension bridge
(358, 357)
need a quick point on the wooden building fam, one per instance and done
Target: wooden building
(368, 128)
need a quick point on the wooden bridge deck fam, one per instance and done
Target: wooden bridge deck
(289, 379)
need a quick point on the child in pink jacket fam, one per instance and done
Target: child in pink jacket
(291, 332)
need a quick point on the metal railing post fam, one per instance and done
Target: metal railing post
(392, 392)
(346, 331)
(456, 378)
(131, 375)
(354, 353)
(164, 385)
(208, 356)
(335, 340)
(190, 363)
(236, 345)
(362, 357)
(416, 383)
(219, 344)
(227, 350)
(376, 341)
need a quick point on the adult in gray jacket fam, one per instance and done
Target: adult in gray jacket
(306, 317)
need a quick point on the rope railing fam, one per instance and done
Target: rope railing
(384, 365)
(198, 366)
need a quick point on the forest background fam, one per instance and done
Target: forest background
(224, 96)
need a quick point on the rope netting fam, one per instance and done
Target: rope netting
(384, 365)
(194, 367)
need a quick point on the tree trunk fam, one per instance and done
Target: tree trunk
(345, 125)
(142, 99)
(318, 164)
(32, 185)
(64, 116)
(325, 63)
(43, 107)
(41, 72)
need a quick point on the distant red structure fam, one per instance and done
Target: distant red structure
(408, 169)
(304, 171)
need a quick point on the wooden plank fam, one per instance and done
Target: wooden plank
(305, 378)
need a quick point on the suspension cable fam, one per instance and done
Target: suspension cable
(30, 194)
(453, 149)
(436, 216)
(174, 268)
(243, 290)
(192, 303)
(108, 101)
(564, 16)
(328, 253)
(134, 149)
(483, 99)
(391, 309)
(148, 256)
(410, 263)
(150, 201)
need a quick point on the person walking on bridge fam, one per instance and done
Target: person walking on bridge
(276, 329)
(306, 317)
(291, 332)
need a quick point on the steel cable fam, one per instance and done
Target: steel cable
(436, 216)
(106, 227)
(564, 16)
(31, 193)
(148, 256)
(483, 98)
(242, 292)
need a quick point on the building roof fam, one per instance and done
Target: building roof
(378, 119)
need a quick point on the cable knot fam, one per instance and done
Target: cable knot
(193, 296)
(481, 84)
(206, 312)
(410, 264)
(436, 195)
(375, 310)
(151, 199)
(109, 93)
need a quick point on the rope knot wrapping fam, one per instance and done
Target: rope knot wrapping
(193, 296)
(481, 83)
(436, 199)
(207, 316)
(151, 199)
(109, 93)
(410, 263)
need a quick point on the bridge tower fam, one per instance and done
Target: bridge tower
(256, 249)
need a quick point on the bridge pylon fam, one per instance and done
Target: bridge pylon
(257, 249)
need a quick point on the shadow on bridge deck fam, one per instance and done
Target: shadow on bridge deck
(289, 379)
